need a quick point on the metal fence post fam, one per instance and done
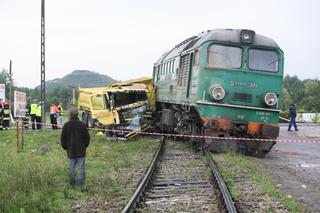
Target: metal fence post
(22, 134)
(18, 136)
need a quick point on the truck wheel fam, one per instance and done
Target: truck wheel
(84, 118)
(89, 123)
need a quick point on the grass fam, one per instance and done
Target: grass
(243, 167)
(34, 179)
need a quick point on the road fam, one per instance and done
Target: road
(295, 167)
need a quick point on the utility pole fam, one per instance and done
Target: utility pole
(43, 67)
(69, 94)
(73, 96)
(10, 88)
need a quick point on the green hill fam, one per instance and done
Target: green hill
(84, 78)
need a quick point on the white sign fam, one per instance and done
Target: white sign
(3, 92)
(308, 117)
(20, 104)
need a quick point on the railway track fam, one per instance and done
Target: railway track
(179, 180)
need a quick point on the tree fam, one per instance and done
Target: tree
(295, 88)
(312, 87)
(286, 99)
(59, 94)
(311, 100)
(4, 77)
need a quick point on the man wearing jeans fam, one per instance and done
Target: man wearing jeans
(293, 114)
(75, 140)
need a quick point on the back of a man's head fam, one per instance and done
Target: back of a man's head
(73, 113)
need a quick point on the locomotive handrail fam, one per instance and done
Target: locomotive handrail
(143, 184)
(236, 106)
(229, 205)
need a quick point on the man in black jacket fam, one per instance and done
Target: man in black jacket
(75, 140)
(293, 114)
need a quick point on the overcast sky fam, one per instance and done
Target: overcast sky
(124, 38)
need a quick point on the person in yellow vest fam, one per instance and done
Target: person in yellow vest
(6, 117)
(33, 110)
(38, 116)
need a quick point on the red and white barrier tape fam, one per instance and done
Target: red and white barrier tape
(194, 136)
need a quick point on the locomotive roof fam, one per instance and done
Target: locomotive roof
(225, 35)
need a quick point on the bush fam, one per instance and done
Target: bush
(301, 111)
(316, 118)
(284, 114)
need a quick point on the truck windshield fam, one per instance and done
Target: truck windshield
(264, 60)
(224, 56)
(125, 98)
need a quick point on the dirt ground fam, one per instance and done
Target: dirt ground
(295, 167)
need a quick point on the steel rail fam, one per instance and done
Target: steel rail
(143, 184)
(228, 202)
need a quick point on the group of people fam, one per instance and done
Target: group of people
(35, 114)
(56, 116)
(4, 115)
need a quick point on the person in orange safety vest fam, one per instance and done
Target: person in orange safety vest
(53, 116)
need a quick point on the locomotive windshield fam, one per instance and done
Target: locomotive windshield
(224, 56)
(264, 60)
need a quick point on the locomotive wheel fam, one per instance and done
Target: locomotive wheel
(196, 132)
(188, 127)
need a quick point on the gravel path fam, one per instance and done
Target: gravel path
(295, 167)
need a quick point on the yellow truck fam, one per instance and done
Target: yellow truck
(127, 106)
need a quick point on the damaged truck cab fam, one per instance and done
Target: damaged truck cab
(125, 106)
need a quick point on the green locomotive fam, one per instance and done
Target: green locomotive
(222, 83)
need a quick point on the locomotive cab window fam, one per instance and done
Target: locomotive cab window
(196, 58)
(264, 60)
(224, 56)
(173, 65)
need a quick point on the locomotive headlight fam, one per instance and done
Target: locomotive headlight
(270, 98)
(218, 92)
(247, 36)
